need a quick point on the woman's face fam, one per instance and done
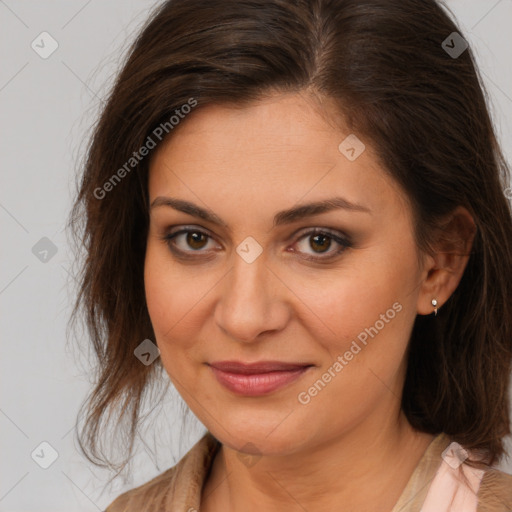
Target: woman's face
(256, 283)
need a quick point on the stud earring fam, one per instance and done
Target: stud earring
(434, 303)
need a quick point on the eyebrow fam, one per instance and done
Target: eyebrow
(283, 217)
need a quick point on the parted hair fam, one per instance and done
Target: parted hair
(386, 65)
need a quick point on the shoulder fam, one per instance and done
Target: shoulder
(176, 487)
(487, 488)
(495, 492)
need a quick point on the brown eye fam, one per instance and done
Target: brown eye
(196, 239)
(319, 241)
(187, 241)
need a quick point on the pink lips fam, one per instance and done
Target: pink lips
(255, 379)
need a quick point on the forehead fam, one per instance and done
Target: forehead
(280, 150)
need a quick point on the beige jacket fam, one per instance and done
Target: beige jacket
(429, 488)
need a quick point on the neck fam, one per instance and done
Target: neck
(366, 468)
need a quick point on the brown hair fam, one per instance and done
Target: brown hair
(396, 86)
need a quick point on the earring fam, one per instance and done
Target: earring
(434, 303)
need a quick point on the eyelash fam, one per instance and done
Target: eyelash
(342, 241)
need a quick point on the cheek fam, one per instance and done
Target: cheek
(178, 298)
(369, 335)
(170, 294)
(364, 314)
(343, 302)
(363, 349)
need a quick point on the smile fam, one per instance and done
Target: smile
(258, 378)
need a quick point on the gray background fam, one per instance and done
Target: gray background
(48, 107)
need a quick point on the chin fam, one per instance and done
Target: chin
(259, 440)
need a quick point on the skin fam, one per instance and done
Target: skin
(351, 443)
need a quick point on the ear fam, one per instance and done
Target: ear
(444, 268)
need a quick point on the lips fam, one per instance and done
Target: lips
(258, 367)
(254, 379)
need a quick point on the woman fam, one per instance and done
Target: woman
(302, 205)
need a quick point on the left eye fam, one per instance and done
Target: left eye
(320, 241)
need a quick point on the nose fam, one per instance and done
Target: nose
(253, 301)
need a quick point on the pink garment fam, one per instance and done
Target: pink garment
(449, 490)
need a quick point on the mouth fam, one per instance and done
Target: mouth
(255, 379)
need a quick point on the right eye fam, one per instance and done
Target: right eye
(186, 241)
